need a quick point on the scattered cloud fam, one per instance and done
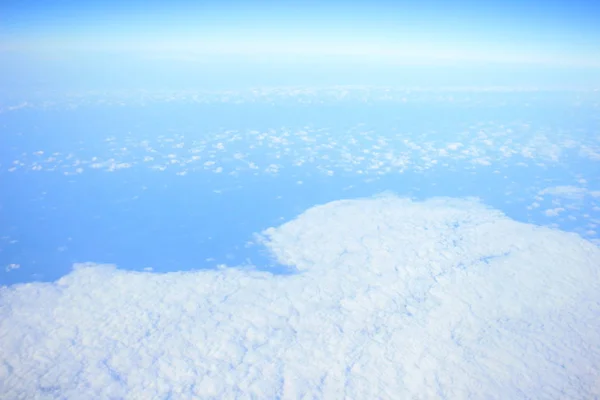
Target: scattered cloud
(11, 267)
(362, 152)
(568, 192)
(553, 212)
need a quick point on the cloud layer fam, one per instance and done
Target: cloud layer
(391, 299)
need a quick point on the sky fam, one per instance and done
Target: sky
(386, 296)
(142, 44)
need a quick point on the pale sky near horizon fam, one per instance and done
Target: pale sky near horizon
(92, 38)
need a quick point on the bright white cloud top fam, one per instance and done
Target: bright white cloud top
(392, 299)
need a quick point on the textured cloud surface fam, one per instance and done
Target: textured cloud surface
(392, 299)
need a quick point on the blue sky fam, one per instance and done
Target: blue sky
(154, 36)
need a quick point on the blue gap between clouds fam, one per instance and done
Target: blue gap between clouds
(179, 223)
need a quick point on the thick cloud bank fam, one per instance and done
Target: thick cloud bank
(392, 299)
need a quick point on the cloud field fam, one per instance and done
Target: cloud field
(391, 298)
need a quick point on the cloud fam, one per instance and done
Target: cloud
(568, 192)
(554, 212)
(391, 299)
(11, 267)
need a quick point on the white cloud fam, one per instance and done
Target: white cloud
(482, 161)
(362, 151)
(454, 146)
(393, 299)
(569, 192)
(11, 267)
(554, 212)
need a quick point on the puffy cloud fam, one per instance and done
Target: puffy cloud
(11, 267)
(390, 299)
(569, 192)
(553, 212)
